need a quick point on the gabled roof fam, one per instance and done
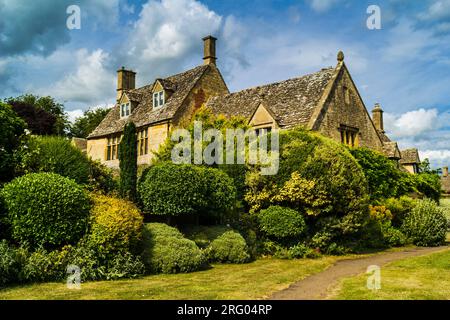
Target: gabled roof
(181, 84)
(391, 150)
(410, 156)
(292, 102)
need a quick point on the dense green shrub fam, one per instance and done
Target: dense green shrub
(125, 265)
(167, 251)
(399, 208)
(393, 237)
(429, 184)
(170, 189)
(46, 209)
(12, 129)
(229, 247)
(321, 180)
(11, 261)
(115, 225)
(426, 225)
(57, 155)
(204, 235)
(101, 178)
(282, 223)
(384, 178)
(128, 163)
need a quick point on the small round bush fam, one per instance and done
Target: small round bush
(426, 225)
(46, 209)
(229, 247)
(393, 237)
(116, 225)
(167, 251)
(170, 189)
(57, 155)
(281, 223)
(204, 235)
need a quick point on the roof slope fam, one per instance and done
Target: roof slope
(410, 156)
(181, 84)
(292, 102)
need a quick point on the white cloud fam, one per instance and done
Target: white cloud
(166, 35)
(438, 158)
(438, 10)
(322, 5)
(91, 82)
(412, 123)
(74, 114)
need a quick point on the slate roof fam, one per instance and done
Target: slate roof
(292, 102)
(410, 156)
(391, 150)
(181, 84)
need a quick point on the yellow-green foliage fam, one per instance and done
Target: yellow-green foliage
(116, 224)
(380, 213)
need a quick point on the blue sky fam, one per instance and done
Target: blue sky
(405, 66)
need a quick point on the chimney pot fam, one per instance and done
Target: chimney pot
(126, 80)
(377, 117)
(209, 50)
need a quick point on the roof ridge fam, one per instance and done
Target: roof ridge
(278, 82)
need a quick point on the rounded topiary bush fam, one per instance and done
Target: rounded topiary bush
(167, 251)
(281, 223)
(229, 247)
(170, 189)
(426, 224)
(46, 209)
(115, 225)
(57, 155)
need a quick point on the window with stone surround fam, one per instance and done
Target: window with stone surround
(112, 149)
(349, 135)
(262, 131)
(158, 99)
(143, 142)
(125, 110)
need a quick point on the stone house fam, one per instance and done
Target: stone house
(327, 101)
(410, 160)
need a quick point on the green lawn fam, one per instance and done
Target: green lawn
(254, 280)
(426, 277)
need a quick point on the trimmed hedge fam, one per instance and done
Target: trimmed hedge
(116, 225)
(167, 251)
(46, 209)
(281, 223)
(426, 225)
(170, 189)
(229, 247)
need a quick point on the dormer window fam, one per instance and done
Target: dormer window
(125, 110)
(158, 99)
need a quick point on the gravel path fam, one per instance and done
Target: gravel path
(317, 286)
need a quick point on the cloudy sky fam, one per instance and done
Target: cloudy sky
(405, 66)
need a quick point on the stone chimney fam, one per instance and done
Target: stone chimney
(126, 80)
(445, 172)
(377, 117)
(209, 50)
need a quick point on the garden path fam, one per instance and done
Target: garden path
(317, 286)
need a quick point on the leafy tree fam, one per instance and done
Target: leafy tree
(429, 184)
(128, 163)
(12, 128)
(84, 125)
(43, 115)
